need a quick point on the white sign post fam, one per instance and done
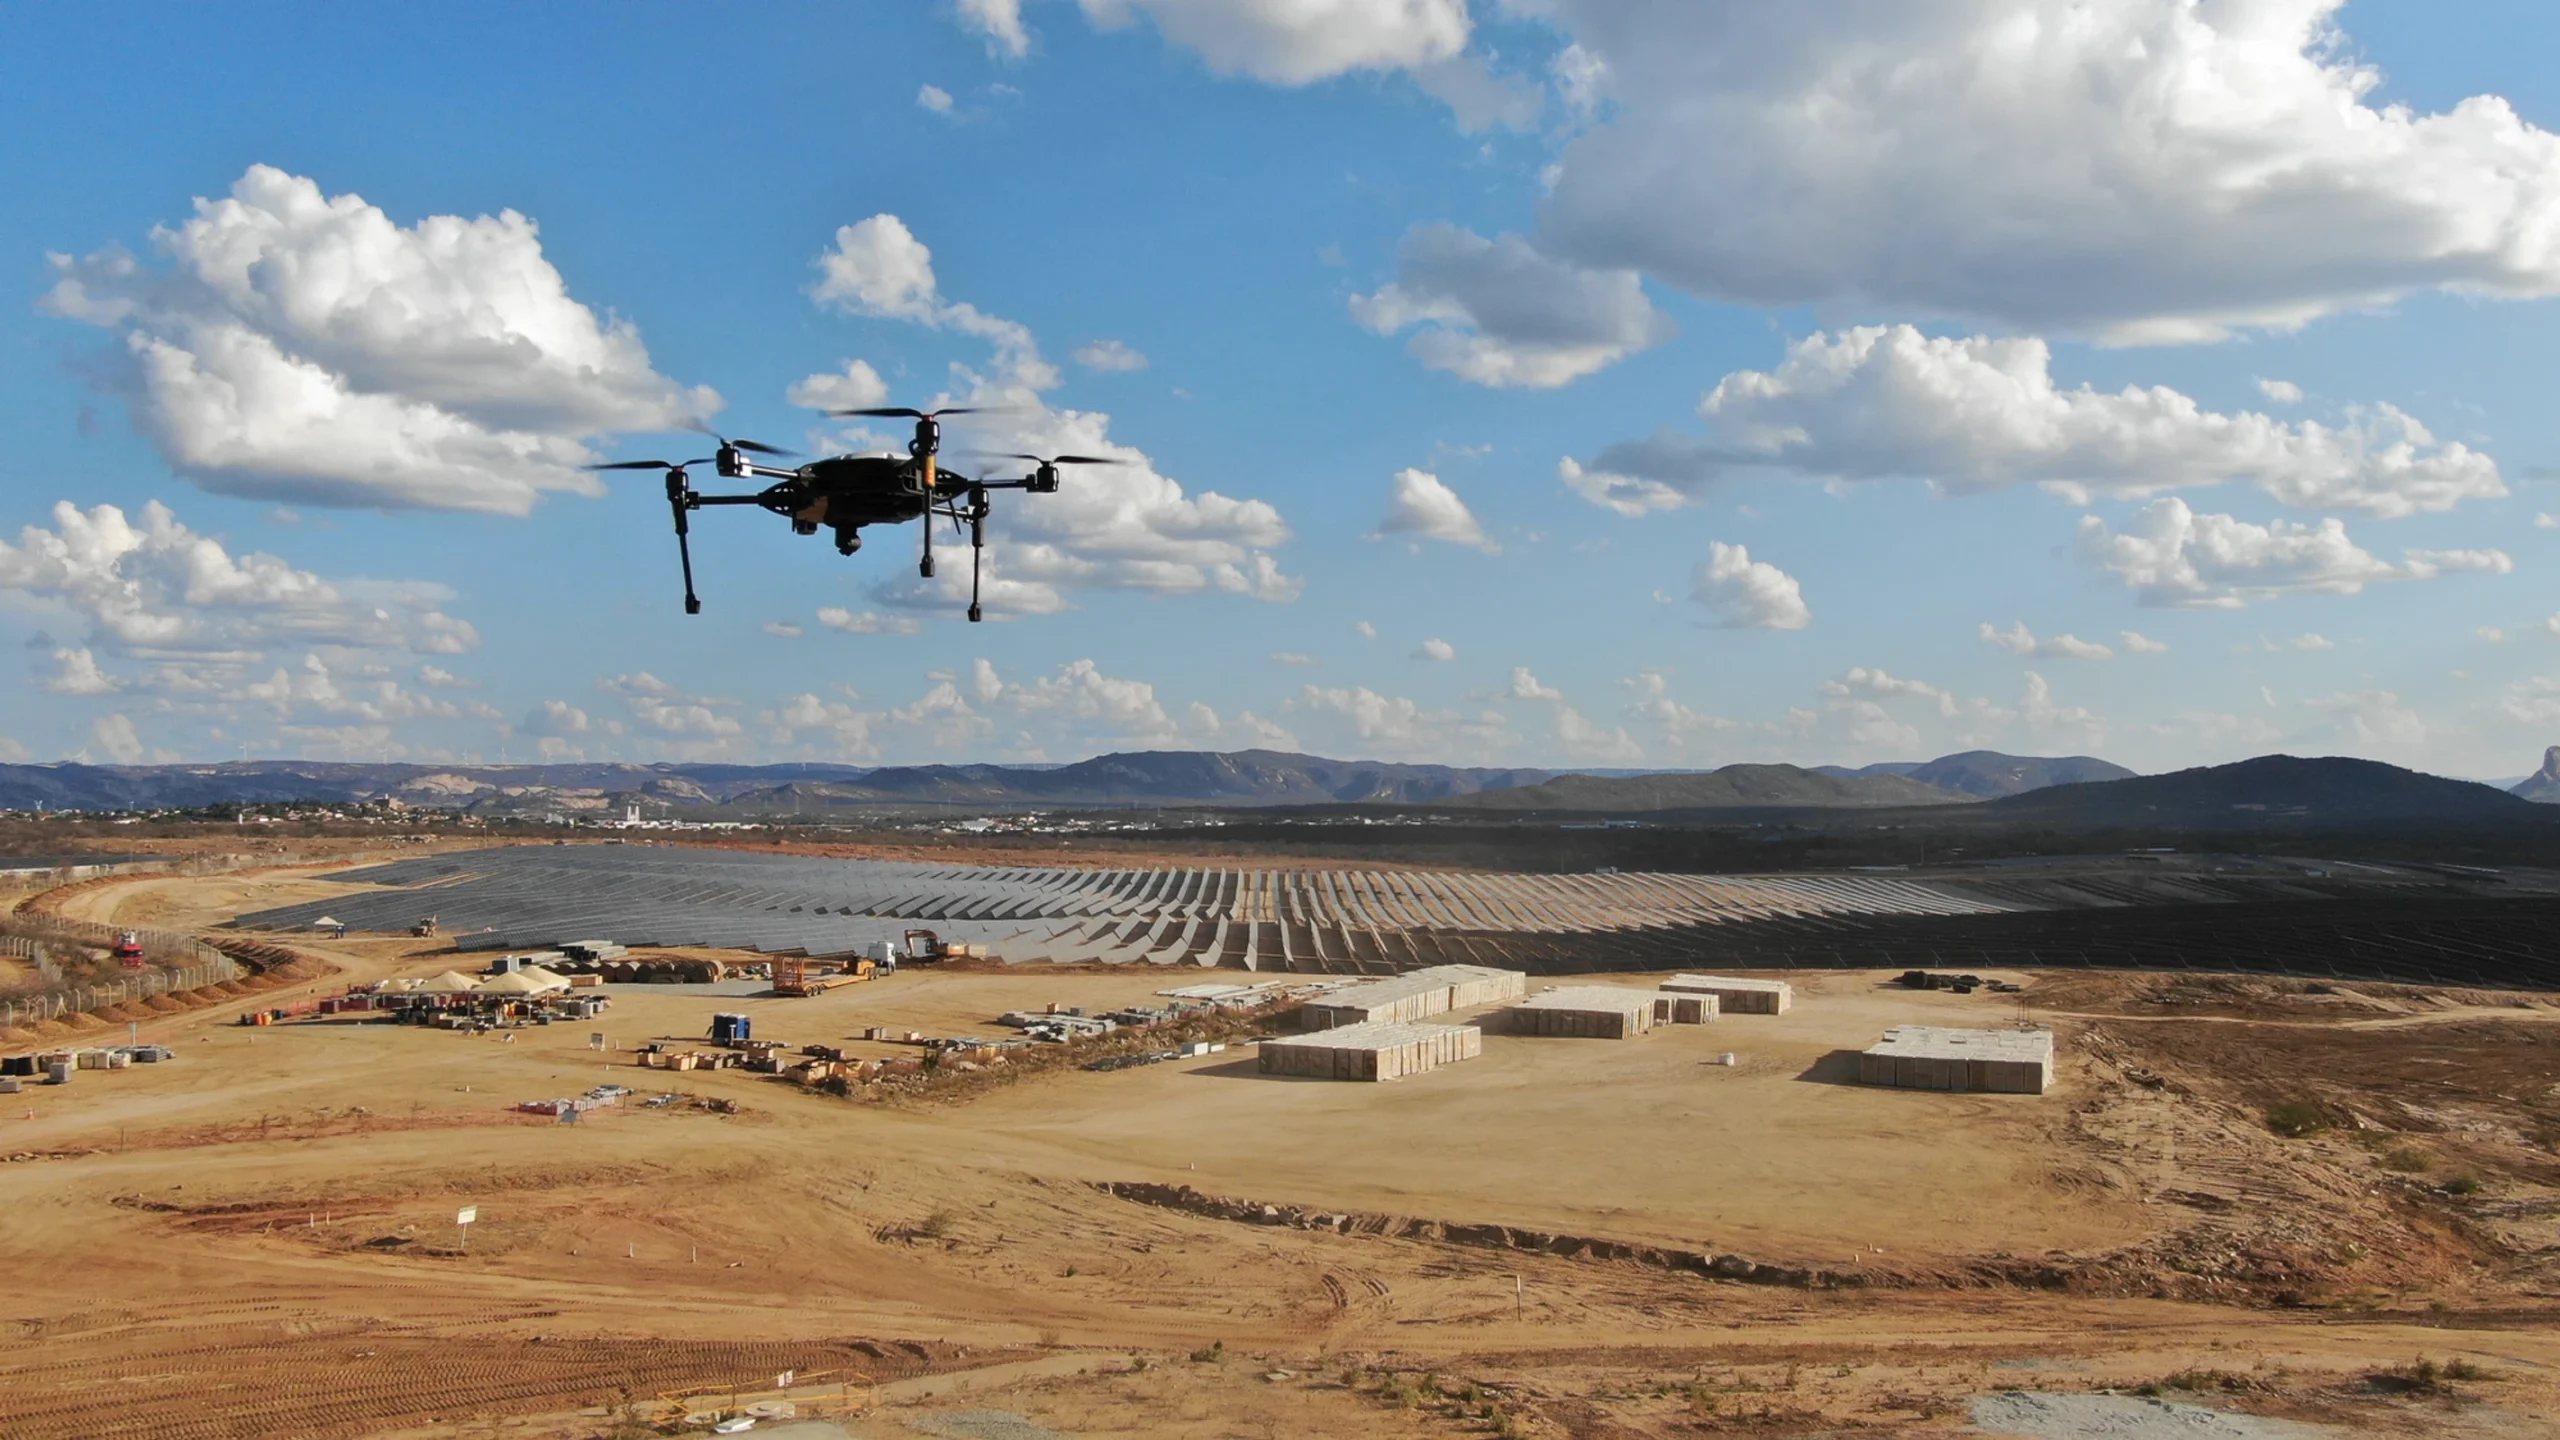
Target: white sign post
(462, 1219)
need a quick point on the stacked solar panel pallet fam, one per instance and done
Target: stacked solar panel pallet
(1588, 1012)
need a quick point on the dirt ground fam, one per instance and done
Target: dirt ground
(2238, 1194)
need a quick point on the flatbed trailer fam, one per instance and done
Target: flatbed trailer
(801, 976)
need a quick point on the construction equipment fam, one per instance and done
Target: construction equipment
(129, 950)
(424, 928)
(924, 946)
(803, 975)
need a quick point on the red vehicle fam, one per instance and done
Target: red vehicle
(129, 950)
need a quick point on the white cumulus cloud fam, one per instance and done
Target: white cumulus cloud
(1527, 686)
(305, 347)
(151, 588)
(2172, 556)
(1360, 722)
(1294, 42)
(1976, 413)
(2141, 170)
(1748, 594)
(1437, 650)
(1110, 356)
(1423, 505)
(855, 387)
(999, 22)
(76, 672)
(2020, 641)
(933, 99)
(665, 711)
(1498, 313)
(863, 622)
(116, 738)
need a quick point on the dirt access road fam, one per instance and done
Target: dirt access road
(257, 1239)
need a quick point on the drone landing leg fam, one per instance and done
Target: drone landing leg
(977, 548)
(684, 545)
(925, 568)
(975, 615)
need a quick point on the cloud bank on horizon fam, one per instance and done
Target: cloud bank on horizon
(1717, 371)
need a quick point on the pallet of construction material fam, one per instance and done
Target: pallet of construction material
(1736, 995)
(1376, 1051)
(1414, 995)
(1587, 1012)
(1684, 1009)
(1929, 1057)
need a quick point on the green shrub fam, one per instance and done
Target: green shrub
(2294, 1119)
(2407, 1159)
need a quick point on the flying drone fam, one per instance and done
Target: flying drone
(844, 493)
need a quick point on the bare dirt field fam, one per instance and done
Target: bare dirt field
(2240, 1194)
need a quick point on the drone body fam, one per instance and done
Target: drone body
(845, 493)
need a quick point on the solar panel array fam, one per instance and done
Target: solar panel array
(1326, 921)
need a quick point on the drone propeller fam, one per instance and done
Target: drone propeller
(1066, 459)
(646, 465)
(902, 412)
(750, 446)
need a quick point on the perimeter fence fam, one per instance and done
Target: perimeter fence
(183, 963)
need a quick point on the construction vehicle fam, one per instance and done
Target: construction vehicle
(924, 946)
(424, 928)
(128, 950)
(805, 975)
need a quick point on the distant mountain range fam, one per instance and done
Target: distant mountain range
(1154, 777)
(1773, 786)
(1170, 777)
(275, 782)
(1975, 787)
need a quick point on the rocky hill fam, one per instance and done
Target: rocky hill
(2542, 787)
(1988, 774)
(2280, 791)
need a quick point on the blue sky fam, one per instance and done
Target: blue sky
(1409, 313)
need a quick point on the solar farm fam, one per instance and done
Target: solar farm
(1313, 921)
(2267, 917)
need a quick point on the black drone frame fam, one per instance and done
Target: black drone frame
(962, 501)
